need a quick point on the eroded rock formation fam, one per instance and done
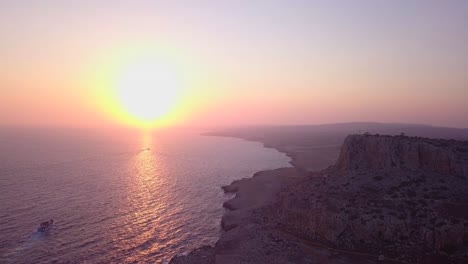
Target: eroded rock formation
(398, 195)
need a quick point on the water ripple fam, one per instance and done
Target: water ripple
(114, 204)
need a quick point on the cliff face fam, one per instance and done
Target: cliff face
(399, 195)
(386, 152)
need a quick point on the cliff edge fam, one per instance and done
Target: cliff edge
(403, 197)
(388, 199)
(364, 152)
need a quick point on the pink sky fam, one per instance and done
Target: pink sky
(243, 62)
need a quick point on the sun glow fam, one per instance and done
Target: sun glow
(148, 90)
(147, 86)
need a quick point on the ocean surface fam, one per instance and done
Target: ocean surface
(117, 198)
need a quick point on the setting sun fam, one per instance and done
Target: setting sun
(139, 87)
(148, 90)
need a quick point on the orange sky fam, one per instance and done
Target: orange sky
(262, 62)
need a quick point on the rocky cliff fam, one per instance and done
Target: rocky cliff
(401, 196)
(388, 198)
(368, 152)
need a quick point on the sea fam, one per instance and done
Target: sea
(117, 197)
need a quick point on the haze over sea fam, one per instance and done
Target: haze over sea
(121, 198)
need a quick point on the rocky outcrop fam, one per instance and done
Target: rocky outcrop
(367, 152)
(399, 195)
(250, 236)
(388, 199)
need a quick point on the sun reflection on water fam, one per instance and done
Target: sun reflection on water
(145, 225)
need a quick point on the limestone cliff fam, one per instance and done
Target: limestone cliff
(382, 152)
(399, 195)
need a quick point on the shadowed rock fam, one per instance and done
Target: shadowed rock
(384, 152)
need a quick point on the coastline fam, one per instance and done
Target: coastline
(294, 162)
(258, 189)
(251, 193)
(264, 145)
(245, 236)
(307, 153)
(294, 215)
(239, 225)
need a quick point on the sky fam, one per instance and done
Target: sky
(92, 63)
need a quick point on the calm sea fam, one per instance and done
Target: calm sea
(117, 198)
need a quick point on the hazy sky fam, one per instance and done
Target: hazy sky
(242, 62)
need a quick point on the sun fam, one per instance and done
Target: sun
(148, 90)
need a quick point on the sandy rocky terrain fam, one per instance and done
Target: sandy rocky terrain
(388, 199)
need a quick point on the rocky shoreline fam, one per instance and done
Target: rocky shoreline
(388, 199)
